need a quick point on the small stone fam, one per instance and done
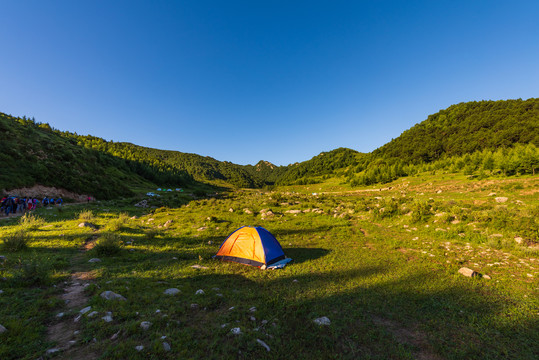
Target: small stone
(92, 314)
(94, 260)
(163, 337)
(199, 292)
(224, 326)
(518, 240)
(115, 336)
(166, 346)
(467, 272)
(295, 280)
(52, 351)
(235, 331)
(199, 267)
(252, 318)
(59, 315)
(253, 309)
(174, 258)
(231, 308)
(171, 291)
(2, 329)
(486, 277)
(139, 347)
(76, 332)
(322, 321)
(501, 199)
(263, 344)
(77, 318)
(85, 310)
(230, 210)
(110, 295)
(145, 325)
(1, 292)
(157, 311)
(107, 318)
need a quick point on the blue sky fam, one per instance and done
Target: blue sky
(243, 81)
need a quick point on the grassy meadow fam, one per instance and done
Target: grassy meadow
(381, 263)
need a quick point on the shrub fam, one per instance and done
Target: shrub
(17, 240)
(118, 223)
(420, 211)
(32, 273)
(108, 244)
(30, 221)
(152, 233)
(86, 215)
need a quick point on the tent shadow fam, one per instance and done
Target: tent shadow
(300, 255)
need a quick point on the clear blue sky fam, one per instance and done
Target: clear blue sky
(248, 80)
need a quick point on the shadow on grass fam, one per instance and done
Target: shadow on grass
(300, 255)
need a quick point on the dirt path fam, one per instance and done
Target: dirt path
(66, 331)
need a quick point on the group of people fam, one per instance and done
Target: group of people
(14, 205)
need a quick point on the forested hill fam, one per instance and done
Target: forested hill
(465, 128)
(201, 168)
(33, 153)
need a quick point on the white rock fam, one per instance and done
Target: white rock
(92, 314)
(52, 351)
(139, 348)
(163, 337)
(467, 272)
(166, 346)
(77, 318)
(252, 318)
(501, 199)
(171, 291)
(235, 331)
(518, 240)
(199, 292)
(253, 309)
(59, 315)
(85, 310)
(145, 325)
(115, 336)
(94, 260)
(199, 267)
(2, 329)
(263, 344)
(1, 292)
(110, 295)
(322, 321)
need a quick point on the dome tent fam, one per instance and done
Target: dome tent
(254, 246)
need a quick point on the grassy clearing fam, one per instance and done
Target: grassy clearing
(381, 265)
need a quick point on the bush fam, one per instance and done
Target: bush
(16, 241)
(118, 223)
(30, 221)
(86, 215)
(152, 233)
(32, 273)
(420, 211)
(108, 244)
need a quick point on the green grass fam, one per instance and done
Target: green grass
(388, 280)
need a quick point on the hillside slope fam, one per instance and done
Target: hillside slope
(33, 153)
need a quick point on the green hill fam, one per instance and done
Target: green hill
(33, 153)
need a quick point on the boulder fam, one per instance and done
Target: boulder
(322, 321)
(110, 295)
(171, 291)
(467, 272)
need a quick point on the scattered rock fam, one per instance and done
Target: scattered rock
(263, 344)
(253, 309)
(167, 224)
(202, 228)
(133, 217)
(85, 310)
(467, 272)
(492, 194)
(145, 325)
(77, 318)
(139, 347)
(2, 329)
(86, 224)
(171, 291)
(94, 260)
(496, 236)
(235, 331)
(92, 314)
(60, 315)
(166, 346)
(52, 351)
(501, 199)
(518, 240)
(115, 336)
(293, 211)
(322, 321)
(107, 318)
(487, 277)
(199, 292)
(196, 266)
(110, 295)
(230, 210)
(247, 211)
(252, 318)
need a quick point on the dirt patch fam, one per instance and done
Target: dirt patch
(411, 337)
(40, 191)
(89, 244)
